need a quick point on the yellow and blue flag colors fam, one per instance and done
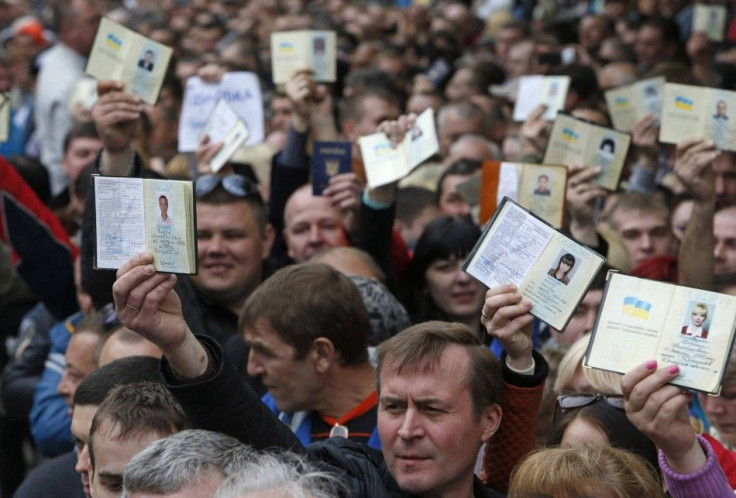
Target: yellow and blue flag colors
(633, 306)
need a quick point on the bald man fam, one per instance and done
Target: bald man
(616, 74)
(311, 224)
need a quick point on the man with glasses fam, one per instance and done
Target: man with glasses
(233, 240)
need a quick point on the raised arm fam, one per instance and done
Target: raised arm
(507, 318)
(116, 115)
(582, 196)
(659, 410)
(208, 387)
(694, 168)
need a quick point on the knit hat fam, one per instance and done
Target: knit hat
(388, 317)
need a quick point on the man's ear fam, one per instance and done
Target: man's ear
(348, 129)
(268, 235)
(285, 235)
(323, 354)
(491, 420)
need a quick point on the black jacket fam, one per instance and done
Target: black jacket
(222, 403)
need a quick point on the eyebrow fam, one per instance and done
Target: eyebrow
(417, 401)
(107, 473)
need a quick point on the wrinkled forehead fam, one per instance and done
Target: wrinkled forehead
(637, 218)
(724, 223)
(302, 204)
(428, 369)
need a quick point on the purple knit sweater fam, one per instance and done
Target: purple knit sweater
(708, 482)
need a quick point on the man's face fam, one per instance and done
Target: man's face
(724, 252)
(451, 202)
(506, 38)
(644, 234)
(163, 205)
(281, 111)
(592, 32)
(80, 153)
(542, 182)
(112, 454)
(411, 232)
(428, 430)
(231, 250)
(725, 183)
(453, 126)
(80, 362)
(294, 384)
(582, 321)
(520, 60)
(149, 57)
(721, 412)
(87, 19)
(81, 423)
(649, 46)
(374, 111)
(460, 85)
(311, 224)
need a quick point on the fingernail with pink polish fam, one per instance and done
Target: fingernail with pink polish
(651, 365)
(673, 369)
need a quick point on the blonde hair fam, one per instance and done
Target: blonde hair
(603, 382)
(601, 471)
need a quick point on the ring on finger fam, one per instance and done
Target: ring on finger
(132, 307)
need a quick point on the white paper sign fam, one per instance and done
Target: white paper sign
(241, 90)
(225, 126)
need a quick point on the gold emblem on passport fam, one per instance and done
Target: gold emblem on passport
(332, 167)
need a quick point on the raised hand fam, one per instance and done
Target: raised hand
(534, 132)
(693, 167)
(659, 410)
(344, 191)
(395, 130)
(116, 114)
(506, 317)
(300, 90)
(146, 303)
(645, 137)
(582, 194)
(206, 150)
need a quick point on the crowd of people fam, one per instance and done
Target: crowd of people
(332, 345)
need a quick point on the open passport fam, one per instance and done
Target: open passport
(643, 320)
(134, 215)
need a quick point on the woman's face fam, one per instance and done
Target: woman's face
(452, 290)
(699, 316)
(565, 266)
(721, 412)
(580, 432)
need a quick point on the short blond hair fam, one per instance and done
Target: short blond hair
(601, 471)
(602, 381)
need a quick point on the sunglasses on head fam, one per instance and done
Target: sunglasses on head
(237, 185)
(573, 401)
